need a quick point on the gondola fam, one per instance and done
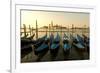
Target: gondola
(26, 50)
(25, 42)
(73, 39)
(85, 36)
(80, 40)
(55, 45)
(79, 43)
(36, 43)
(79, 46)
(65, 38)
(66, 45)
(39, 41)
(31, 37)
(43, 48)
(86, 41)
(57, 38)
(51, 39)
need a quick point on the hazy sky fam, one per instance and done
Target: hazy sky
(61, 18)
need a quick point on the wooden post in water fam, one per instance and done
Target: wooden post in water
(68, 30)
(52, 26)
(30, 30)
(61, 36)
(49, 30)
(24, 27)
(72, 28)
(61, 31)
(84, 30)
(75, 29)
(36, 30)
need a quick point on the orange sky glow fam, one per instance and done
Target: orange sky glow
(44, 18)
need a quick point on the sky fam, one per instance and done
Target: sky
(66, 19)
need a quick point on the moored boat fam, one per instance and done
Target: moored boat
(43, 48)
(79, 44)
(31, 37)
(51, 39)
(87, 42)
(26, 50)
(39, 41)
(66, 45)
(80, 40)
(26, 42)
(55, 45)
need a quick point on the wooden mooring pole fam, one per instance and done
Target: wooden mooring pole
(30, 30)
(61, 37)
(36, 30)
(49, 30)
(24, 27)
(72, 29)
